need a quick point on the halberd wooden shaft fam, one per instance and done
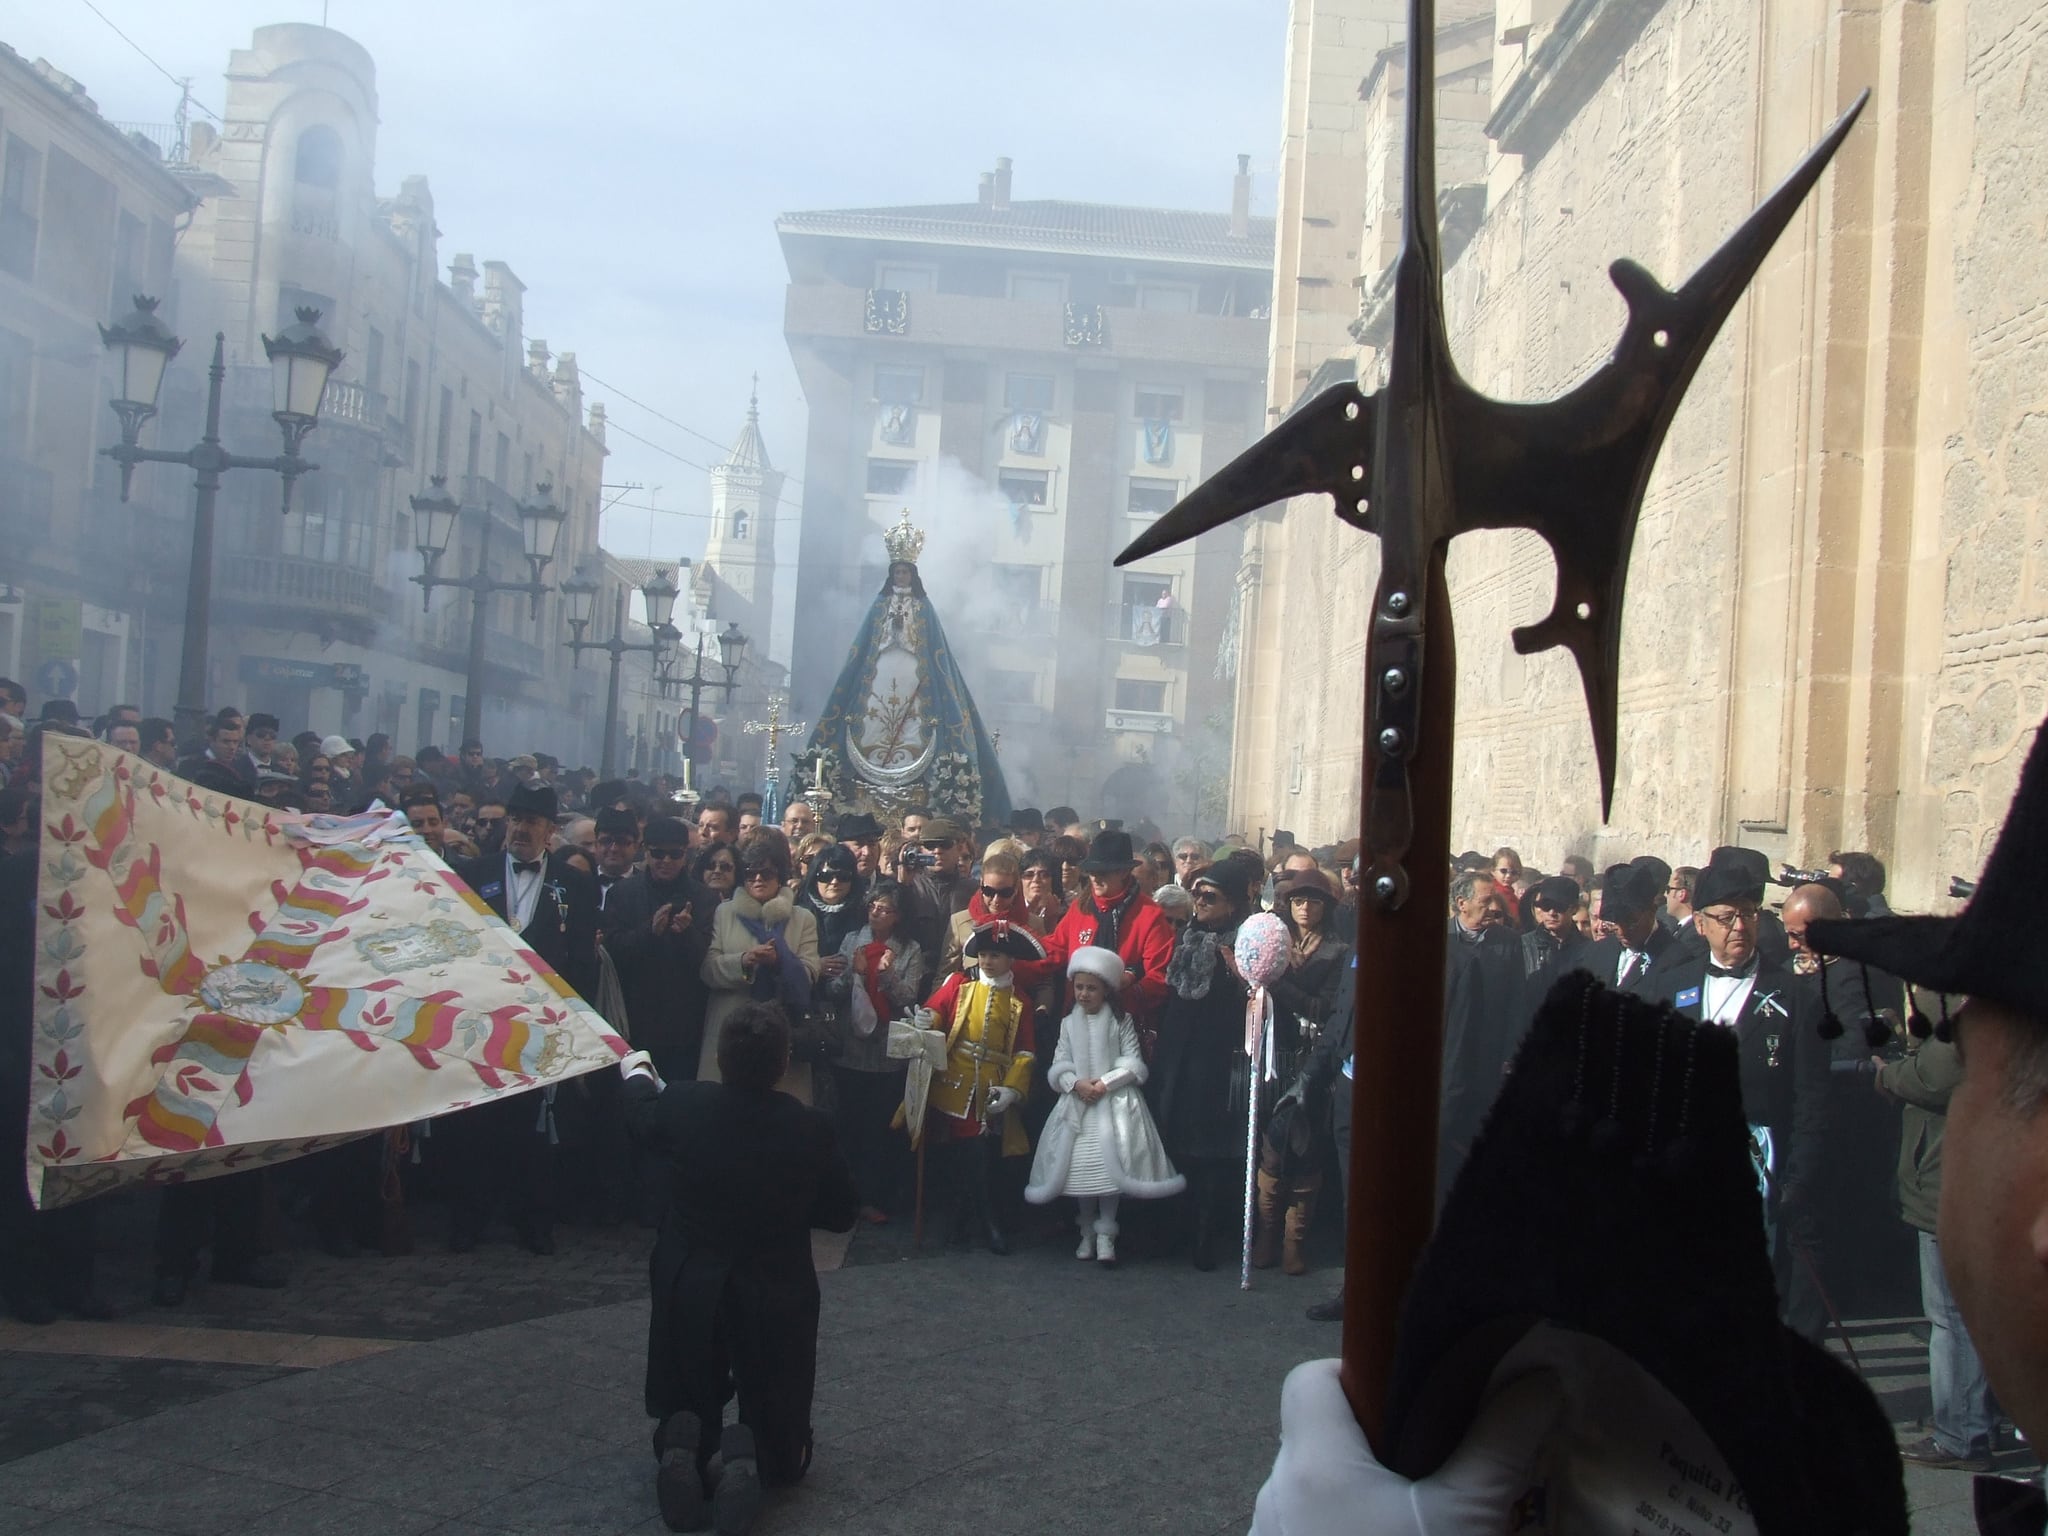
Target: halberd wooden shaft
(1397, 1048)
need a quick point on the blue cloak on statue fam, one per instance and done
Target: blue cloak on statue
(900, 725)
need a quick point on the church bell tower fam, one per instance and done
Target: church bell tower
(736, 578)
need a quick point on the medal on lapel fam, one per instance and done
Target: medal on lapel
(1771, 1050)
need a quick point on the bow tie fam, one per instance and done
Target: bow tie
(1748, 968)
(525, 866)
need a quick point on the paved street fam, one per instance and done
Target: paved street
(498, 1392)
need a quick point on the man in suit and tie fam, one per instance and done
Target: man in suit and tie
(1783, 1064)
(1632, 947)
(505, 1146)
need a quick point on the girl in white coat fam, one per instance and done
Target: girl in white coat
(1100, 1143)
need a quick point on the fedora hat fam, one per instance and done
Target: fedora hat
(1732, 874)
(857, 827)
(1626, 890)
(1986, 949)
(1306, 882)
(1109, 854)
(532, 800)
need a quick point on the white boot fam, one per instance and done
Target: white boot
(1105, 1232)
(1088, 1228)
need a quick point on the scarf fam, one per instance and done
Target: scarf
(1192, 969)
(1109, 926)
(790, 983)
(871, 983)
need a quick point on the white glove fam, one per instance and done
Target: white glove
(639, 1064)
(1000, 1100)
(1326, 1481)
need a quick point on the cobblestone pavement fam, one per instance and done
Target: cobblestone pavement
(499, 1392)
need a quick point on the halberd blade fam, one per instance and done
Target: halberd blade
(1326, 445)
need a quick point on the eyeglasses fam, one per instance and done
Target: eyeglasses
(998, 892)
(1744, 916)
(833, 877)
(665, 854)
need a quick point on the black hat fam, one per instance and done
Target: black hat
(1626, 891)
(611, 821)
(532, 800)
(1610, 1195)
(835, 856)
(1984, 950)
(1026, 819)
(63, 711)
(1558, 892)
(1656, 869)
(262, 722)
(1732, 874)
(1109, 854)
(666, 832)
(1001, 938)
(858, 827)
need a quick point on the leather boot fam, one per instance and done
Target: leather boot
(1299, 1215)
(1266, 1245)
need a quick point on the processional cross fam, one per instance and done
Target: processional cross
(774, 728)
(1415, 463)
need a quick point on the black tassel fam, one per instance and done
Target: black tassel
(1945, 1031)
(1876, 1033)
(1830, 1025)
(1918, 1025)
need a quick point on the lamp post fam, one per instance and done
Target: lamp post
(301, 361)
(732, 646)
(540, 523)
(659, 592)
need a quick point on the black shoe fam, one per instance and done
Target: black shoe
(737, 1499)
(169, 1290)
(89, 1305)
(1331, 1311)
(679, 1485)
(266, 1272)
(32, 1308)
(998, 1240)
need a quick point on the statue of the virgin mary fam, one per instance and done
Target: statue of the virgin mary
(900, 728)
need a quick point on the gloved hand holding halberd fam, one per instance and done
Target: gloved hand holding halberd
(638, 1064)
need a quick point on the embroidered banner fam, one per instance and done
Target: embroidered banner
(220, 985)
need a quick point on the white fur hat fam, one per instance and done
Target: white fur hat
(1104, 964)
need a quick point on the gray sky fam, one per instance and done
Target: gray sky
(629, 159)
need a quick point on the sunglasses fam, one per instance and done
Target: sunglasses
(833, 877)
(666, 853)
(998, 892)
(937, 844)
(721, 868)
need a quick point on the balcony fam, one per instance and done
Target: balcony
(1152, 721)
(294, 593)
(347, 404)
(1154, 628)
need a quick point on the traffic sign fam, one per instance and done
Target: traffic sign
(57, 679)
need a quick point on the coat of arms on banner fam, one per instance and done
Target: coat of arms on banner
(221, 985)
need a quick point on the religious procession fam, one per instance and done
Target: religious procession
(1032, 913)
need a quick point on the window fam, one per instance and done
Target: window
(1148, 615)
(1038, 288)
(130, 262)
(501, 462)
(17, 353)
(1027, 391)
(77, 236)
(1157, 405)
(318, 161)
(899, 386)
(1024, 487)
(476, 445)
(1167, 298)
(412, 404)
(1135, 694)
(904, 279)
(323, 526)
(1014, 600)
(1008, 686)
(891, 477)
(373, 361)
(740, 523)
(21, 189)
(1151, 498)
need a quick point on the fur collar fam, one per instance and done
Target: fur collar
(775, 910)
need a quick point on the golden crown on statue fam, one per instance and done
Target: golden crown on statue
(903, 541)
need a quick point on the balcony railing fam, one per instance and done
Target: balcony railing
(306, 586)
(1146, 625)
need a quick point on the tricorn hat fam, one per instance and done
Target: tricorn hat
(1109, 854)
(1982, 951)
(1732, 874)
(532, 800)
(858, 827)
(1003, 938)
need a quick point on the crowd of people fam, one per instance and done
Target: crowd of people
(987, 1019)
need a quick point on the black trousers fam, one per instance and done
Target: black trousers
(867, 1102)
(227, 1211)
(495, 1152)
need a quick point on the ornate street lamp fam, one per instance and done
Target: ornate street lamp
(659, 593)
(732, 648)
(301, 360)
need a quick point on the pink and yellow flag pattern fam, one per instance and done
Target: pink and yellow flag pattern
(220, 985)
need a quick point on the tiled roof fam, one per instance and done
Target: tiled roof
(1095, 229)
